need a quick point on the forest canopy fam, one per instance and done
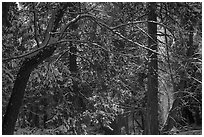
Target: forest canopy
(110, 68)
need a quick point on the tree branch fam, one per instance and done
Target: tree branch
(49, 29)
(63, 29)
(144, 21)
(120, 35)
(35, 25)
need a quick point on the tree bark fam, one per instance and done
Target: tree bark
(152, 123)
(17, 95)
(28, 65)
(5, 14)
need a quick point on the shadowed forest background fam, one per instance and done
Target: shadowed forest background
(101, 68)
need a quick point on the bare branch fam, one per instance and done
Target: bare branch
(126, 24)
(49, 29)
(121, 36)
(32, 52)
(63, 29)
(35, 25)
(138, 22)
(24, 55)
(43, 44)
(150, 36)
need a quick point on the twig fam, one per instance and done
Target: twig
(121, 36)
(35, 25)
(138, 22)
(63, 29)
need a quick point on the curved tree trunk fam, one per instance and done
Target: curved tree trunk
(25, 70)
(17, 95)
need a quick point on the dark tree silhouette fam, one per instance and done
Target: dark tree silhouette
(152, 123)
(28, 65)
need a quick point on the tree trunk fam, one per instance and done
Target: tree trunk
(17, 95)
(77, 100)
(152, 123)
(25, 70)
(5, 14)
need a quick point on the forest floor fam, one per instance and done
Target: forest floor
(188, 130)
(40, 132)
(191, 132)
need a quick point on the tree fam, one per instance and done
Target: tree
(99, 68)
(189, 14)
(5, 13)
(26, 68)
(152, 91)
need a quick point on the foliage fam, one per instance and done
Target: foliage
(112, 64)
